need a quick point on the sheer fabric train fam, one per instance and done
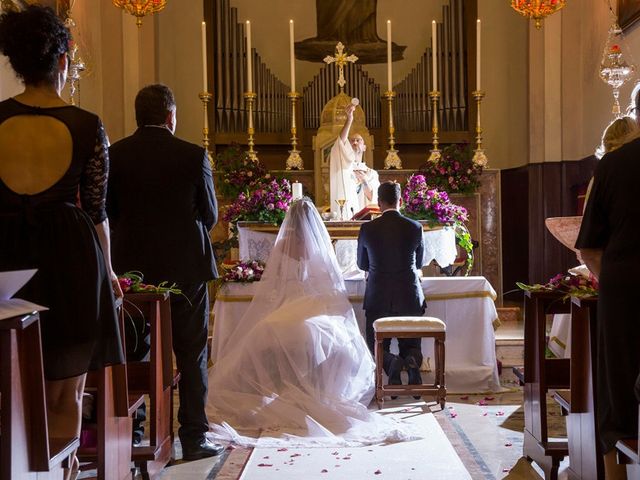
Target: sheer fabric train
(296, 365)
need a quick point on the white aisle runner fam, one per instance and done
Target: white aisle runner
(430, 458)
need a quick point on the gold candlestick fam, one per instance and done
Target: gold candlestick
(206, 98)
(479, 158)
(294, 161)
(250, 98)
(435, 151)
(392, 160)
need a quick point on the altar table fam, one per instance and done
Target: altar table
(255, 242)
(465, 304)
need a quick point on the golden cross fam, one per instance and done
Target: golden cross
(340, 59)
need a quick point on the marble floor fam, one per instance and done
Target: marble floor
(484, 430)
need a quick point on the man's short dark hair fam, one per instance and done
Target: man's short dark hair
(389, 193)
(153, 103)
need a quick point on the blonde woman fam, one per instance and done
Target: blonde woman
(622, 130)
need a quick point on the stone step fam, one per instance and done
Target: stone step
(509, 314)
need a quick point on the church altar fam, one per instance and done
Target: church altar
(465, 304)
(256, 239)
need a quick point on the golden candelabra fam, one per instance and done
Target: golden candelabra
(250, 98)
(294, 160)
(435, 151)
(392, 160)
(479, 158)
(206, 98)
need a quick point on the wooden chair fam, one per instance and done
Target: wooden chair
(411, 327)
(540, 375)
(26, 451)
(579, 402)
(156, 379)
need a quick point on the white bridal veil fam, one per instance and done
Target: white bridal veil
(296, 366)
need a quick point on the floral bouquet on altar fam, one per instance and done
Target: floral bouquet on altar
(237, 171)
(455, 171)
(249, 271)
(421, 202)
(569, 284)
(268, 201)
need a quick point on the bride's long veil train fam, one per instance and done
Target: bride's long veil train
(296, 366)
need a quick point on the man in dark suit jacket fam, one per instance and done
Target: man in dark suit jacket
(390, 248)
(162, 205)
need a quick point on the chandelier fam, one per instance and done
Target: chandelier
(140, 8)
(537, 9)
(614, 69)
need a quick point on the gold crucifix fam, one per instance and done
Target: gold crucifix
(340, 59)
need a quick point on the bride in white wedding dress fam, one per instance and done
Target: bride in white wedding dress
(296, 366)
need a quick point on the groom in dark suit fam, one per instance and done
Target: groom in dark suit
(162, 205)
(390, 248)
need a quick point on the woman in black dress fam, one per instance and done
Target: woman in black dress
(53, 178)
(608, 243)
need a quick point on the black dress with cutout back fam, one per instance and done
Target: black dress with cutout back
(50, 232)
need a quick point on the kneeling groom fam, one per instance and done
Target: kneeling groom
(390, 249)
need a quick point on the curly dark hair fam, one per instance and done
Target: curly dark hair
(33, 39)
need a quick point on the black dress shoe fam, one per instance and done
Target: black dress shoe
(415, 379)
(394, 373)
(203, 449)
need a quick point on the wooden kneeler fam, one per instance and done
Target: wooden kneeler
(156, 379)
(115, 407)
(411, 327)
(26, 451)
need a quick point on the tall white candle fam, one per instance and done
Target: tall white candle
(478, 50)
(292, 57)
(434, 51)
(204, 57)
(249, 62)
(389, 58)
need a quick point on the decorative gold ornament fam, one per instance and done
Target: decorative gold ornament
(140, 8)
(340, 59)
(537, 10)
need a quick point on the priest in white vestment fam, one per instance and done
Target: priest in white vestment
(350, 178)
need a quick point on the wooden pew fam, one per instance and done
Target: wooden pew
(26, 451)
(629, 454)
(154, 378)
(115, 407)
(540, 375)
(580, 401)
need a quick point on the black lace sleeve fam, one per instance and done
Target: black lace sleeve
(93, 184)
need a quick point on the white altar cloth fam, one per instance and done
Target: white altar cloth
(439, 245)
(465, 304)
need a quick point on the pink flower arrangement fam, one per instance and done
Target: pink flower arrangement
(568, 284)
(455, 171)
(238, 172)
(268, 201)
(422, 202)
(250, 271)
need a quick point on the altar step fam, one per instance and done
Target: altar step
(510, 337)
